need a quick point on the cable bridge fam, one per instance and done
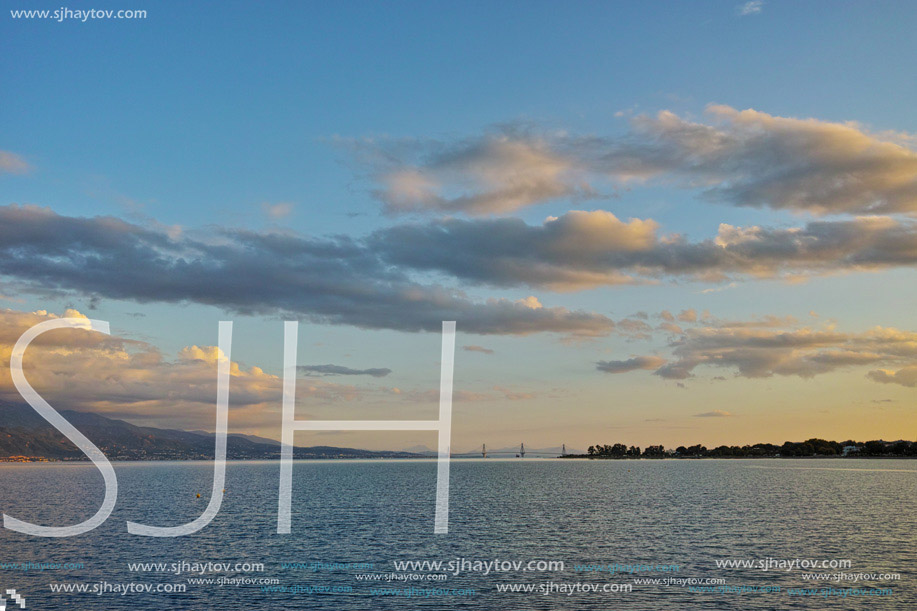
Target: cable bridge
(520, 453)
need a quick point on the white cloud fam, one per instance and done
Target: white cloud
(495, 174)
(275, 212)
(773, 345)
(753, 7)
(11, 163)
(737, 157)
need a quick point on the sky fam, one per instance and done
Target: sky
(653, 223)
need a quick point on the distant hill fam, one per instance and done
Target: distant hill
(421, 449)
(24, 433)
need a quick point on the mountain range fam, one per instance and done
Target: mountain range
(26, 435)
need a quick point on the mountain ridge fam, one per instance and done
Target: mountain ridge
(25, 435)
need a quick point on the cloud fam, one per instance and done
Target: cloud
(11, 163)
(773, 345)
(497, 173)
(370, 282)
(688, 315)
(565, 253)
(329, 281)
(634, 328)
(737, 157)
(582, 250)
(717, 413)
(373, 282)
(280, 210)
(906, 376)
(719, 289)
(481, 349)
(640, 362)
(753, 7)
(124, 378)
(134, 380)
(340, 370)
(751, 158)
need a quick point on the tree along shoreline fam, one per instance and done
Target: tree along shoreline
(774, 457)
(811, 448)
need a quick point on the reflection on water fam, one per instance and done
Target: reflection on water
(686, 513)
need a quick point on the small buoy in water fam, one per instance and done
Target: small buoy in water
(198, 495)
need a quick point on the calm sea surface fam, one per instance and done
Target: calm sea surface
(640, 514)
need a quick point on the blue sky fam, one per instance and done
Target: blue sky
(204, 115)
